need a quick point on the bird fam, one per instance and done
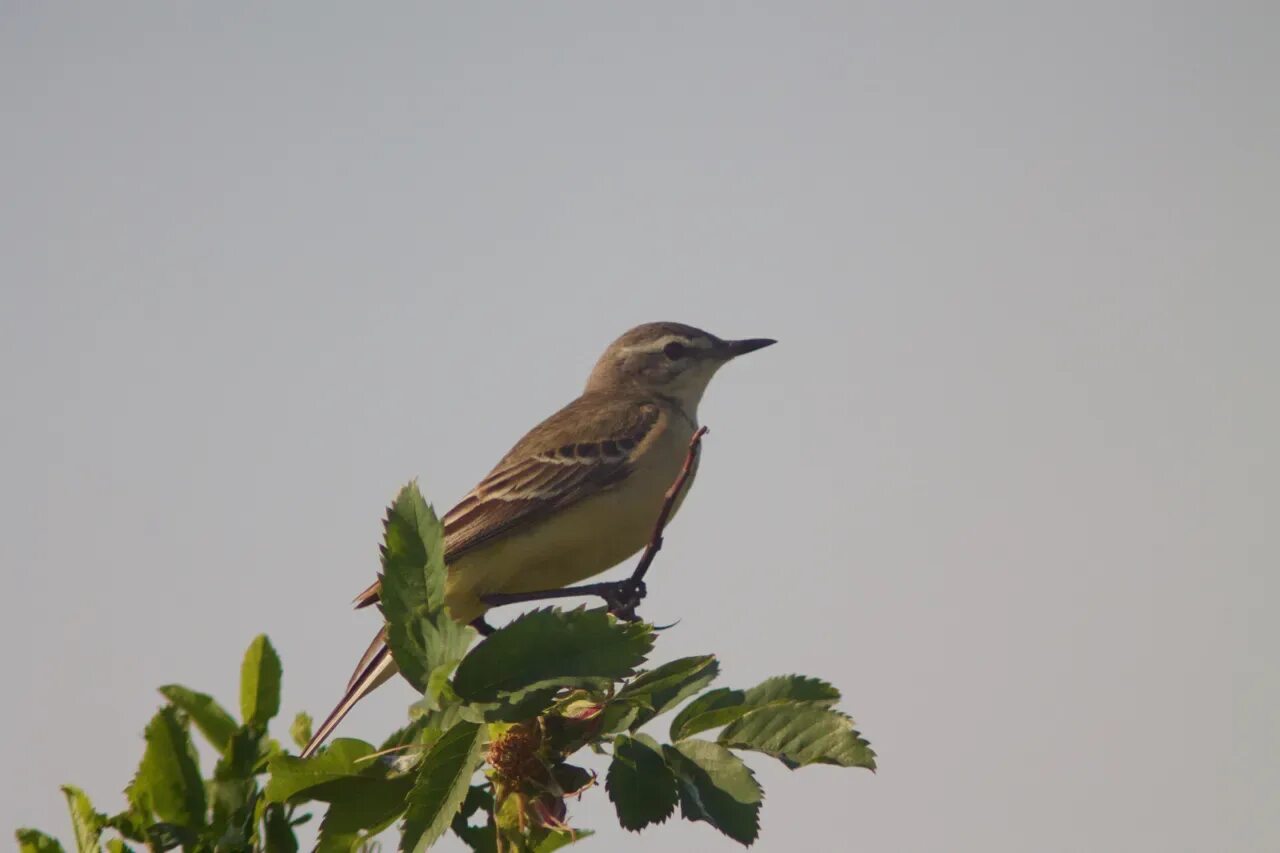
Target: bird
(578, 494)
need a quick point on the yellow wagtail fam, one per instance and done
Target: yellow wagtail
(579, 493)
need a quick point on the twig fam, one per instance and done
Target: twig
(623, 597)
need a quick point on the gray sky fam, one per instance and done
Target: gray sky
(1009, 480)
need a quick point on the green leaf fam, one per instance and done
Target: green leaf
(131, 824)
(260, 683)
(792, 688)
(168, 782)
(800, 734)
(509, 709)
(547, 840)
(166, 836)
(442, 786)
(115, 845)
(35, 841)
(482, 839)
(617, 717)
(553, 648)
(233, 802)
(362, 799)
(710, 710)
(345, 758)
(244, 755)
(300, 731)
(716, 787)
(86, 822)
(210, 718)
(366, 812)
(422, 635)
(720, 707)
(663, 688)
(641, 786)
(278, 835)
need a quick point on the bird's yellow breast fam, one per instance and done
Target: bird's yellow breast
(579, 541)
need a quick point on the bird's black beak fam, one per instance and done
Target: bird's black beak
(737, 348)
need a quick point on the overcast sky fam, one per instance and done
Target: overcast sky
(1009, 479)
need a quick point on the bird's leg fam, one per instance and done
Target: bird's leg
(482, 626)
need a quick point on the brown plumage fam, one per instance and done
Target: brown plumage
(599, 466)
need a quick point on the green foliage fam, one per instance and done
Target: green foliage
(442, 785)
(800, 735)
(260, 683)
(210, 718)
(659, 690)
(168, 782)
(486, 754)
(300, 731)
(716, 787)
(35, 841)
(552, 648)
(86, 822)
(424, 640)
(641, 785)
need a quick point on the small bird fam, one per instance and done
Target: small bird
(579, 493)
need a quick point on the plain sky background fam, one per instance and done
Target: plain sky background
(1009, 479)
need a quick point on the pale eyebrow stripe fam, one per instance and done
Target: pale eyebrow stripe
(657, 345)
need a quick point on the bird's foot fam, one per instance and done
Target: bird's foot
(623, 597)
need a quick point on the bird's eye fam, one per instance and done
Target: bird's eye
(674, 350)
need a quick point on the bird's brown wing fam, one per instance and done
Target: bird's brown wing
(587, 446)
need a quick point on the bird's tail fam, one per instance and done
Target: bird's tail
(375, 667)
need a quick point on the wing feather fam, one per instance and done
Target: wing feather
(586, 447)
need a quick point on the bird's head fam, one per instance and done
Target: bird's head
(671, 359)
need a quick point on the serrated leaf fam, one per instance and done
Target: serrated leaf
(792, 688)
(363, 799)
(300, 731)
(722, 706)
(86, 822)
(710, 710)
(442, 786)
(640, 784)
(168, 782)
(800, 734)
(422, 635)
(617, 717)
(552, 648)
(366, 812)
(260, 683)
(35, 841)
(210, 718)
(318, 776)
(716, 787)
(663, 688)
(509, 709)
